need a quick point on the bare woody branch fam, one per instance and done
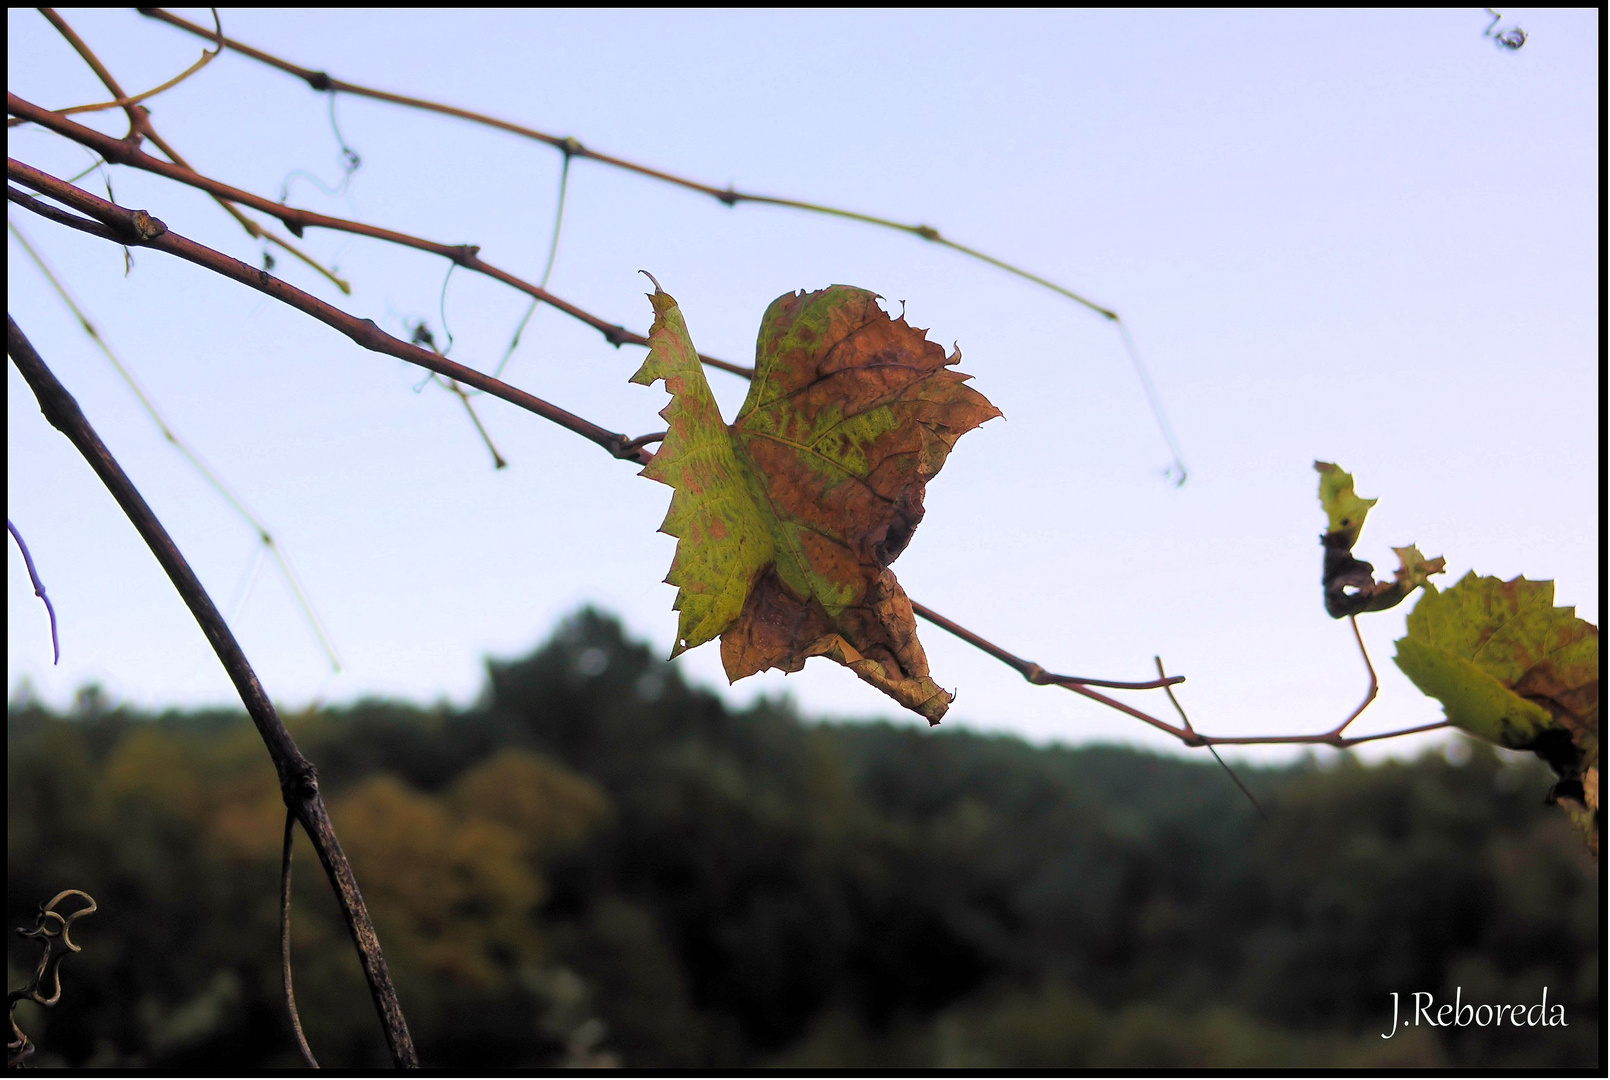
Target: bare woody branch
(1188, 735)
(299, 783)
(126, 101)
(132, 111)
(139, 228)
(1031, 671)
(140, 128)
(573, 147)
(265, 535)
(124, 152)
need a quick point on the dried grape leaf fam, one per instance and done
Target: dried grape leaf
(787, 521)
(1511, 668)
(1349, 582)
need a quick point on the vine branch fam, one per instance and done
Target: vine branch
(126, 101)
(730, 196)
(1188, 735)
(140, 127)
(122, 152)
(140, 229)
(572, 147)
(264, 534)
(299, 784)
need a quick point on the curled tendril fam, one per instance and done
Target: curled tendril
(1511, 39)
(351, 162)
(53, 931)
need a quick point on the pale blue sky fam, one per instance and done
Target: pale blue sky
(1369, 238)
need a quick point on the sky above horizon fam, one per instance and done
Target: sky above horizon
(1363, 237)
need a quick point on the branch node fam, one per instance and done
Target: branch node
(464, 254)
(927, 232)
(320, 80)
(299, 784)
(626, 449)
(617, 335)
(571, 145)
(730, 196)
(644, 440)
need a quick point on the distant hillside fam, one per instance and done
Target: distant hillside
(599, 864)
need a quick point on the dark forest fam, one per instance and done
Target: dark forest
(599, 865)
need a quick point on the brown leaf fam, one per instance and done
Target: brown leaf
(849, 416)
(851, 413)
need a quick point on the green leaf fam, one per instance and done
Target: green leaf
(1343, 507)
(788, 520)
(723, 538)
(1506, 663)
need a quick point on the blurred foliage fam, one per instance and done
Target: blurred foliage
(599, 865)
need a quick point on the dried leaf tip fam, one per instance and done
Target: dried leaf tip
(1349, 582)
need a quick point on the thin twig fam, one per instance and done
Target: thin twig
(1156, 403)
(1375, 685)
(1186, 720)
(264, 534)
(245, 590)
(39, 590)
(299, 785)
(1231, 772)
(139, 228)
(573, 147)
(423, 336)
(1036, 674)
(465, 255)
(553, 252)
(80, 46)
(140, 127)
(125, 102)
(1031, 671)
(469, 407)
(285, 941)
(351, 162)
(1329, 738)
